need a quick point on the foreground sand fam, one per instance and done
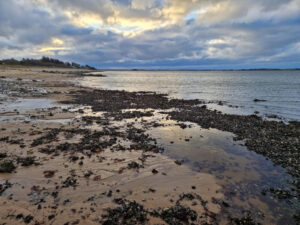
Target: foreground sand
(75, 187)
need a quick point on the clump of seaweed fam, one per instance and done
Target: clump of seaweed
(129, 212)
(7, 166)
(48, 138)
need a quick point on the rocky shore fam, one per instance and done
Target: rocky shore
(89, 158)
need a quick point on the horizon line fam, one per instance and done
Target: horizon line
(254, 69)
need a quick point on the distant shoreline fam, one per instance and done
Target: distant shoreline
(153, 70)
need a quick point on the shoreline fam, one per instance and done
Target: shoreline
(127, 152)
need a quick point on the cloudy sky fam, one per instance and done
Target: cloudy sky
(158, 34)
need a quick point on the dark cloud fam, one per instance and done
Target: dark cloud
(72, 30)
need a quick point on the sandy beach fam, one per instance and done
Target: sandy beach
(76, 155)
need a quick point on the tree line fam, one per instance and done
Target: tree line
(44, 61)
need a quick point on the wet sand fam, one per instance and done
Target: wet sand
(122, 158)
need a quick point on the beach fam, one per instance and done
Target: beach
(72, 154)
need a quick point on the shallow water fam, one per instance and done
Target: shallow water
(280, 89)
(23, 105)
(243, 174)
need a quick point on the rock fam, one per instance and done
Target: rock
(259, 100)
(109, 194)
(225, 204)
(28, 219)
(179, 162)
(182, 125)
(152, 190)
(50, 217)
(3, 155)
(74, 158)
(154, 171)
(19, 216)
(97, 178)
(49, 173)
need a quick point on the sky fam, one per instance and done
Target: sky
(154, 34)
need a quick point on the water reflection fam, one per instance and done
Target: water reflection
(24, 105)
(242, 174)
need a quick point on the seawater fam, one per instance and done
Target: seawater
(280, 89)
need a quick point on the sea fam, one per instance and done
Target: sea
(278, 91)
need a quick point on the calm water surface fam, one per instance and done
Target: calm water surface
(280, 89)
(242, 174)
